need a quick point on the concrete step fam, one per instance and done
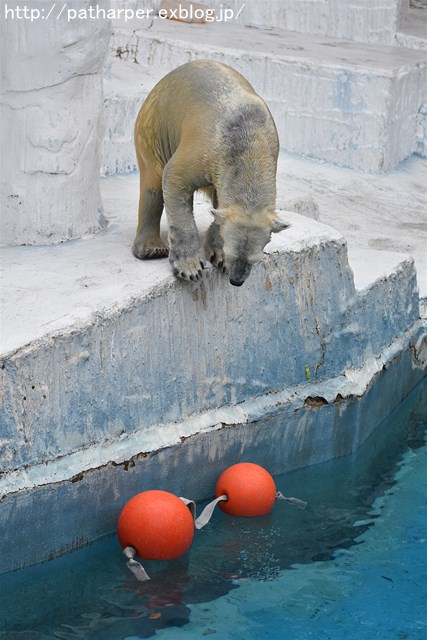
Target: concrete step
(412, 31)
(373, 21)
(391, 220)
(359, 21)
(378, 212)
(345, 103)
(90, 334)
(109, 364)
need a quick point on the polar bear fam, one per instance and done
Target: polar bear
(204, 127)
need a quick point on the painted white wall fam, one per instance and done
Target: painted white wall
(375, 21)
(350, 104)
(51, 123)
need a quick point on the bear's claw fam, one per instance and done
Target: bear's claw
(217, 258)
(149, 253)
(190, 269)
(219, 264)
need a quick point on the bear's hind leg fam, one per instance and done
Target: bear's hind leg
(147, 243)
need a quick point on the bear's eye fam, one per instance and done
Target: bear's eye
(230, 251)
(254, 258)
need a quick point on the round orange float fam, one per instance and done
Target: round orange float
(157, 524)
(249, 488)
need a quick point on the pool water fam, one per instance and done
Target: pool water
(352, 565)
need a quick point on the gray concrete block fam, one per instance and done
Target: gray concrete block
(353, 105)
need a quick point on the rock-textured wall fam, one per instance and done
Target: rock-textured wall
(52, 124)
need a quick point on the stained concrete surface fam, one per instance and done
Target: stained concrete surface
(46, 289)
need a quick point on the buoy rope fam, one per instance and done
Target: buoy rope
(200, 522)
(191, 505)
(207, 512)
(136, 568)
(301, 504)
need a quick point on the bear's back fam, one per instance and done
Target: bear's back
(203, 101)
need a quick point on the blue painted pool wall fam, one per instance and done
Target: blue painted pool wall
(187, 349)
(58, 518)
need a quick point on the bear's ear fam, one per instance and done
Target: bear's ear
(278, 225)
(218, 215)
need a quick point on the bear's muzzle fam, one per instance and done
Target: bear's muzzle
(238, 271)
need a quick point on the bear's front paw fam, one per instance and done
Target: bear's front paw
(217, 258)
(189, 268)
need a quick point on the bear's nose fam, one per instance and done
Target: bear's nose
(238, 271)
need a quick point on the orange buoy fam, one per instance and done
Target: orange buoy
(249, 488)
(157, 524)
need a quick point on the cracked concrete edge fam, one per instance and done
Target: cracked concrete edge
(322, 236)
(353, 383)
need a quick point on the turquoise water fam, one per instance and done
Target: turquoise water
(352, 565)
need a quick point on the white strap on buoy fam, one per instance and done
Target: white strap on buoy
(191, 505)
(207, 512)
(295, 501)
(136, 568)
(203, 519)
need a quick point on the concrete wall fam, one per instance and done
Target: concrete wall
(178, 352)
(344, 103)
(51, 124)
(202, 347)
(373, 21)
(286, 434)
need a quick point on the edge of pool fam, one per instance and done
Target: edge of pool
(297, 367)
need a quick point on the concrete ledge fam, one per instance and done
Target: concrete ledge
(163, 350)
(412, 32)
(307, 424)
(362, 21)
(333, 100)
(174, 350)
(382, 213)
(352, 383)
(124, 365)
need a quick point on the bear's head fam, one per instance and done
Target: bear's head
(244, 238)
